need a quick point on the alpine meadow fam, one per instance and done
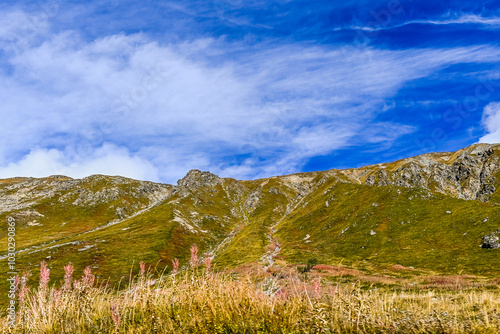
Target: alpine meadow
(250, 166)
(405, 246)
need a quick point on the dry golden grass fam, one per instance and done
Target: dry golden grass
(269, 302)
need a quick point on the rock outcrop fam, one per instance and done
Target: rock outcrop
(23, 193)
(196, 179)
(467, 174)
(491, 241)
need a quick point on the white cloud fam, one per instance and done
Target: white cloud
(108, 160)
(491, 122)
(162, 109)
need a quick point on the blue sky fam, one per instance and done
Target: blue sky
(245, 89)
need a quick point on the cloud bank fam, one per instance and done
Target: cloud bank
(108, 160)
(491, 122)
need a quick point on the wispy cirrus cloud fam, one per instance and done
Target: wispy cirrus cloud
(448, 19)
(153, 108)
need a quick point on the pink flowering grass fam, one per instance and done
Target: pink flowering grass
(278, 302)
(175, 265)
(194, 261)
(68, 276)
(143, 269)
(208, 262)
(87, 278)
(115, 315)
(24, 290)
(44, 276)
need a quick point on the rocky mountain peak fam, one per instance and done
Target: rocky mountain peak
(60, 177)
(195, 179)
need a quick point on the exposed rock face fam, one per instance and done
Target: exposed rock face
(299, 182)
(468, 174)
(196, 179)
(89, 197)
(370, 181)
(410, 175)
(253, 199)
(383, 178)
(491, 241)
(234, 190)
(22, 193)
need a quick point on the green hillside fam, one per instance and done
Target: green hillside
(428, 213)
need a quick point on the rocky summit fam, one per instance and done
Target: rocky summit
(436, 212)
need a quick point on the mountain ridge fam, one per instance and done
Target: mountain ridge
(430, 212)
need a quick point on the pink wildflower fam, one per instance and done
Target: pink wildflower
(175, 264)
(317, 287)
(281, 294)
(68, 276)
(143, 268)
(44, 276)
(87, 278)
(194, 256)
(115, 315)
(23, 291)
(208, 262)
(17, 280)
(55, 295)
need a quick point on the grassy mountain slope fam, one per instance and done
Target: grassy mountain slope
(428, 212)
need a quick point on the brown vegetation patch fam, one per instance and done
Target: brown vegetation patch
(336, 270)
(456, 282)
(398, 267)
(271, 247)
(382, 227)
(496, 281)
